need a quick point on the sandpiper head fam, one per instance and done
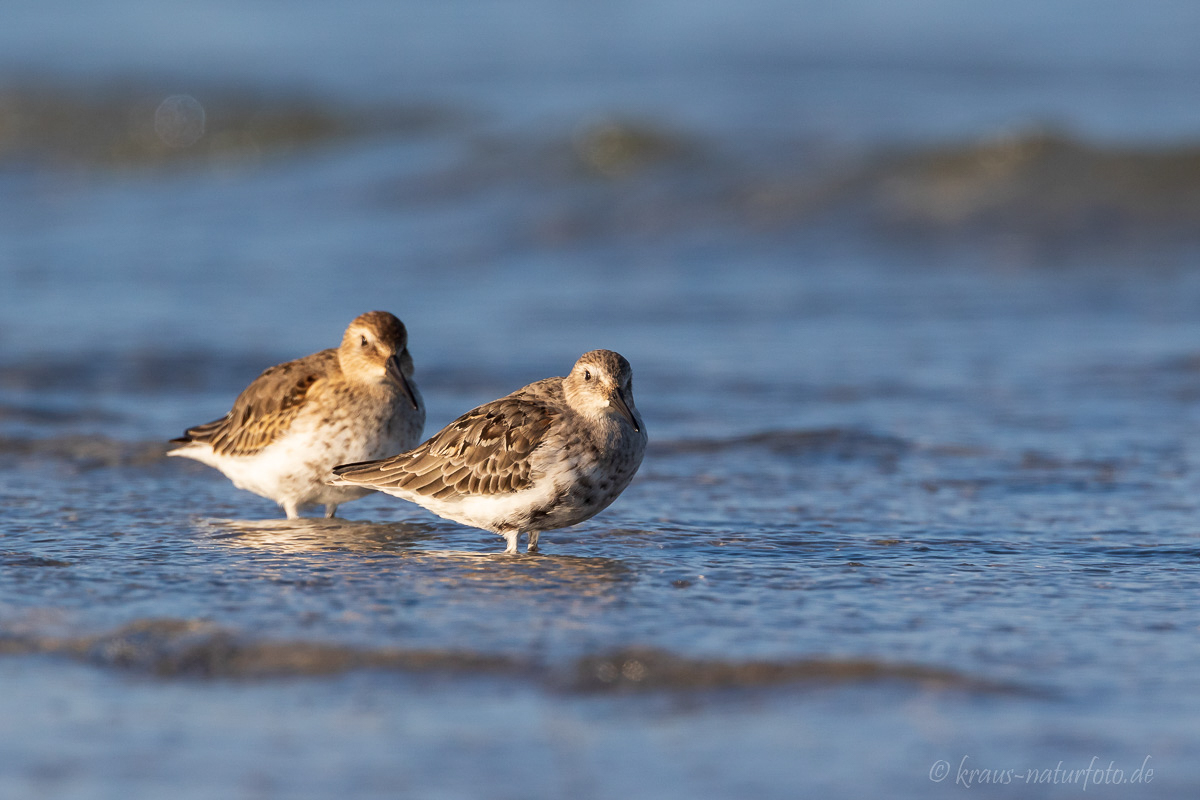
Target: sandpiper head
(375, 349)
(601, 384)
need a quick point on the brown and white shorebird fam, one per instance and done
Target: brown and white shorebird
(549, 455)
(298, 420)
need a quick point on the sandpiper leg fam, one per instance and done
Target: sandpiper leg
(533, 537)
(330, 510)
(512, 537)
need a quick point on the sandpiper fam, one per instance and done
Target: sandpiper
(549, 455)
(298, 420)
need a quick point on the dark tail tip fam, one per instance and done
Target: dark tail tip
(342, 469)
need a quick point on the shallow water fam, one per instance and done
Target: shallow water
(921, 487)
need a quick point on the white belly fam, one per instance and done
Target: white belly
(293, 470)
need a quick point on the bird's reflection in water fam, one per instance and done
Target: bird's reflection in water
(422, 548)
(307, 535)
(580, 575)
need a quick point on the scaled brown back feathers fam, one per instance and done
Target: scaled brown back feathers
(266, 408)
(485, 451)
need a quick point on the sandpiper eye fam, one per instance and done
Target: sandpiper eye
(364, 341)
(587, 375)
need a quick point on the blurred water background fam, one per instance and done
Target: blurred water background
(910, 291)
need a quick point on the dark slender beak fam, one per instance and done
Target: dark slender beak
(397, 375)
(618, 399)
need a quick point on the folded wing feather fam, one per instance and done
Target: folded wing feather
(485, 451)
(266, 408)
